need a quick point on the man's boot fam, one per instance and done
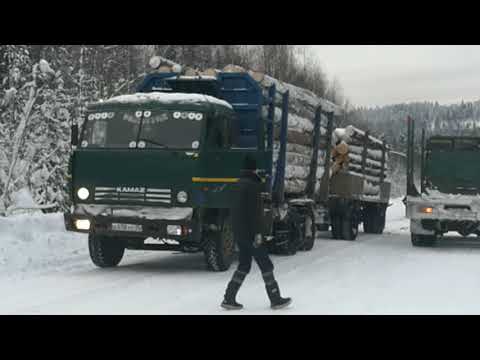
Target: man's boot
(229, 302)
(273, 292)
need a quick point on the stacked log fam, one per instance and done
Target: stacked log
(360, 154)
(302, 107)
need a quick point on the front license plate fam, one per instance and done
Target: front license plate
(127, 227)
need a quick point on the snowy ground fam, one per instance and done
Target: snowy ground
(45, 270)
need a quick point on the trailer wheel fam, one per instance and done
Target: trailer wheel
(336, 227)
(349, 228)
(423, 240)
(309, 232)
(380, 224)
(219, 247)
(323, 227)
(374, 219)
(105, 251)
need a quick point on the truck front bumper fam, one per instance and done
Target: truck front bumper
(455, 209)
(441, 215)
(184, 230)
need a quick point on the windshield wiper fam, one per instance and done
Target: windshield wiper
(152, 142)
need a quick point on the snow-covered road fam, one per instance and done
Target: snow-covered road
(50, 273)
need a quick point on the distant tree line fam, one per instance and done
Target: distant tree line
(390, 121)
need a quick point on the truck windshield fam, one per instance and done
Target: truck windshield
(156, 128)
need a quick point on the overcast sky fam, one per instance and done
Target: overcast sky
(380, 74)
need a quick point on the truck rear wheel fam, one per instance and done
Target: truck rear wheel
(105, 251)
(219, 248)
(423, 240)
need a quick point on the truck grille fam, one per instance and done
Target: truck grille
(133, 194)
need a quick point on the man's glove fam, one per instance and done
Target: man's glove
(258, 241)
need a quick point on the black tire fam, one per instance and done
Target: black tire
(309, 241)
(336, 227)
(219, 248)
(349, 228)
(105, 251)
(292, 244)
(382, 215)
(423, 240)
(368, 219)
(323, 227)
(374, 219)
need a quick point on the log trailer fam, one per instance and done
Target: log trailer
(354, 188)
(154, 170)
(448, 200)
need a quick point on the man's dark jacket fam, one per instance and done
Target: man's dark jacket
(247, 211)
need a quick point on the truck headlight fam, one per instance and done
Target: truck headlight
(83, 193)
(426, 210)
(174, 230)
(182, 197)
(82, 224)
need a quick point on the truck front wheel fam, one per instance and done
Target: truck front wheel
(423, 240)
(219, 248)
(105, 251)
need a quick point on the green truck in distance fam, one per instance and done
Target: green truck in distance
(448, 200)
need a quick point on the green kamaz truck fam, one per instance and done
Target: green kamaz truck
(154, 170)
(448, 200)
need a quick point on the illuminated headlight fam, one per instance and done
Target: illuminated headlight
(82, 224)
(174, 230)
(426, 210)
(182, 197)
(83, 193)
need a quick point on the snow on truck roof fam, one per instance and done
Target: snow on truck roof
(164, 98)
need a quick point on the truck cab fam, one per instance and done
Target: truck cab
(448, 200)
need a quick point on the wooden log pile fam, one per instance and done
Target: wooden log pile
(358, 153)
(302, 107)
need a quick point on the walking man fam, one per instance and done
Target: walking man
(247, 215)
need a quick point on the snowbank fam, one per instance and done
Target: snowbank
(31, 242)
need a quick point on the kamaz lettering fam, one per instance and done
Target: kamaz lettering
(130, 189)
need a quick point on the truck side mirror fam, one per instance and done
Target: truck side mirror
(74, 134)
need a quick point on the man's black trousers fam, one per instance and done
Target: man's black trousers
(249, 251)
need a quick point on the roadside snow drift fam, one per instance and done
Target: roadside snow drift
(36, 242)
